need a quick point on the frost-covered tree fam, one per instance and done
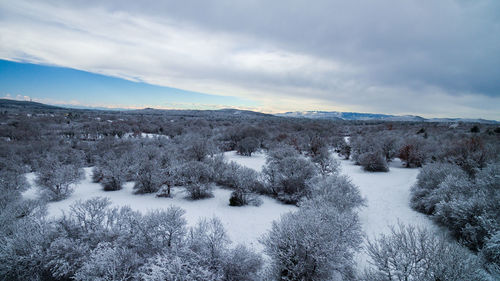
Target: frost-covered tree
(56, 178)
(209, 240)
(318, 241)
(312, 245)
(165, 228)
(468, 207)
(22, 249)
(413, 152)
(373, 162)
(245, 183)
(333, 192)
(12, 180)
(424, 194)
(408, 253)
(344, 149)
(286, 177)
(247, 146)
(182, 266)
(109, 262)
(197, 178)
(111, 171)
(325, 162)
(241, 264)
(149, 175)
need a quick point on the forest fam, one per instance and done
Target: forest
(164, 153)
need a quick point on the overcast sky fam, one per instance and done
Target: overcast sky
(425, 57)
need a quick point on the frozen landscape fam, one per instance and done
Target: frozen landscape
(236, 195)
(387, 202)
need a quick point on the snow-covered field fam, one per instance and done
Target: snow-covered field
(243, 224)
(256, 161)
(387, 197)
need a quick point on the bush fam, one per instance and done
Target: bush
(112, 170)
(287, 177)
(468, 207)
(241, 264)
(417, 254)
(313, 244)
(413, 152)
(56, 178)
(242, 198)
(198, 190)
(247, 146)
(373, 162)
(423, 196)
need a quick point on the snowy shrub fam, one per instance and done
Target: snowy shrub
(198, 190)
(112, 170)
(108, 262)
(417, 254)
(471, 154)
(280, 152)
(247, 146)
(65, 256)
(468, 207)
(327, 165)
(12, 181)
(333, 192)
(287, 177)
(312, 244)
(149, 177)
(430, 177)
(197, 147)
(195, 172)
(209, 240)
(246, 183)
(241, 264)
(96, 174)
(344, 149)
(56, 178)
(182, 266)
(23, 250)
(491, 250)
(413, 152)
(241, 198)
(373, 162)
(165, 229)
(197, 178)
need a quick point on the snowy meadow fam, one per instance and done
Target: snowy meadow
(208, 195)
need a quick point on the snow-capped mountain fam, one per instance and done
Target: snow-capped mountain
(335, 115)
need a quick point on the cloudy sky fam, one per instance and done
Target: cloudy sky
(425, 57)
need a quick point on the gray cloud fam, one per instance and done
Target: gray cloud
(352, 55)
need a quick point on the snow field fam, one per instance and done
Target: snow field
(244, 225)
(387, 196)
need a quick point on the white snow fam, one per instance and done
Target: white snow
(388, 200)
(387, 197)
(243, 224)
(144, 135)
(256, 161)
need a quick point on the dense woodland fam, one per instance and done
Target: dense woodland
(458, 187)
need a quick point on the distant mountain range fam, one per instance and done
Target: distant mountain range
(335, 115)
(330, 115)
(18, 104)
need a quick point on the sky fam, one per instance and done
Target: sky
(421, 57)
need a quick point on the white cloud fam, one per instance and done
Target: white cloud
(164, 50)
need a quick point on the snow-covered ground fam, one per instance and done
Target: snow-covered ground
(243, 224)
(256, 161)
(387, 197)
(388, 200)
(144, 135)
